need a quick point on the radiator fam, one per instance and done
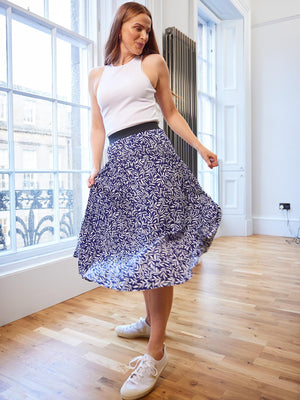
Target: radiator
(180, 55)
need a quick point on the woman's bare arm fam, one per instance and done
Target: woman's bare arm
(97, 135)
(174, 119)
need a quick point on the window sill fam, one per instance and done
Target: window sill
(36, 256)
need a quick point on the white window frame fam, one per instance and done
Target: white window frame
(208, 21)
(233, 19)
(14, 260)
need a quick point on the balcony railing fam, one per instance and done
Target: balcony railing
(31, 229)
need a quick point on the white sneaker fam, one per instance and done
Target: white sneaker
(137, 329)
(145, 376)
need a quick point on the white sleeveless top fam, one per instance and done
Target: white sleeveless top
(126, 96)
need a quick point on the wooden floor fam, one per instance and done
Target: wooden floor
(233, 334)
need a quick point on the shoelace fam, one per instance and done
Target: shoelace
(138, 325)
(142, 365)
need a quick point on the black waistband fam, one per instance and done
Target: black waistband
(146, 126)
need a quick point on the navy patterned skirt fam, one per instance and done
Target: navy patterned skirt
(147, 219)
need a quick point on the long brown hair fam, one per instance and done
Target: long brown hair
(123, 14)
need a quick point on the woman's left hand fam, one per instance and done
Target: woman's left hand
(209, 157)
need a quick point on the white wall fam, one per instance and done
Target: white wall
(178, 13)
(268, 10)
(275, 114)
(40, 286)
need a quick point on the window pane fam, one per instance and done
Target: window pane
(71, 72)
(206, 180)
(48, 204)
(3, 65)
(60, 12)
(205, 42)
(200, 40)
(207, 141)
(31, 55)
(64, 132)
(4, 162)
(68, 13)
(73, 194)
(203, 76)
(73, 141)
(206, 114)
(35, 6)
(32, 133)
(206, 102)
(34, 208)
(4, 213)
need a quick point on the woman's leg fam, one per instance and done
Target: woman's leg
(146, 298)
(158, 307)
(143, 379)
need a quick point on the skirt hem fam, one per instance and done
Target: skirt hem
(134, 289)
(147, 220)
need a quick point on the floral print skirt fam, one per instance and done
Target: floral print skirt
(147, 219)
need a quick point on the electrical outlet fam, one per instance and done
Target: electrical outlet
(284, 206)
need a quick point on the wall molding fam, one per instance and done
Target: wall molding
(274, 226)
(276, 21)
(238, 225)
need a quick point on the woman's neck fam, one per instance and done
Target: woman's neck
(124, 58)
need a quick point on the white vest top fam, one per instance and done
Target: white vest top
(126, 97)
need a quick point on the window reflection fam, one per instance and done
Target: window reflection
(47, 135)
(3, 64)
(31, 58)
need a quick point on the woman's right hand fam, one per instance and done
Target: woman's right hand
(91, 178)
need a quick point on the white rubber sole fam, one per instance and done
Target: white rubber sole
(132, 335)
(123, 335)
(142, 394)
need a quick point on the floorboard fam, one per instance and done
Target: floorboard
(233, 334)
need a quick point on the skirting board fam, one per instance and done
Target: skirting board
(275, 227)
(33, 289)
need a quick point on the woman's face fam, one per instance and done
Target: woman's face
(135, 34)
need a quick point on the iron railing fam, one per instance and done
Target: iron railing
(28, 228)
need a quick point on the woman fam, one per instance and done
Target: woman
(147, 219)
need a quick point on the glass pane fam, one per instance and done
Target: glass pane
(34, 208)
(71, 72)
(73, 194)
(32, 133)
(4, 162)
(35, 6)
(206, 181)
(73, 141)
(4, 213)
(3, 65)
(31, 57)
(202, 76)
(200, 40)
(68, 13)
(205, 113)
(207, 141)
(204, 41)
